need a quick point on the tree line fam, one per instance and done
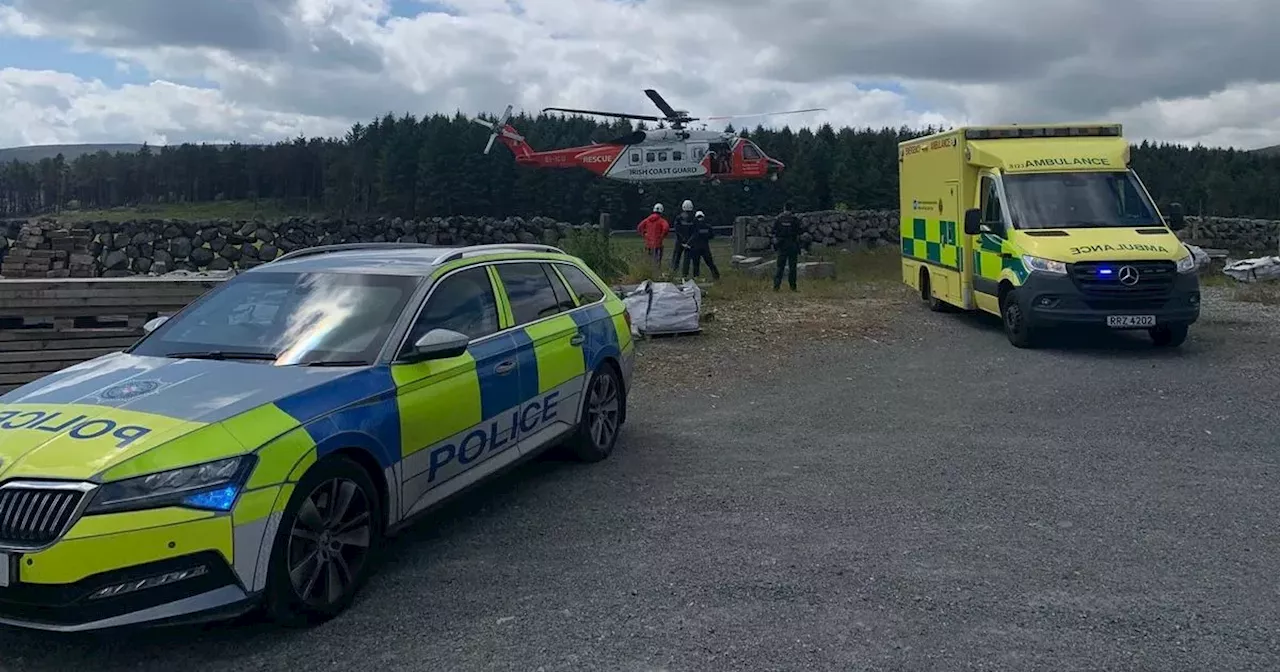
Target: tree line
(434, 166)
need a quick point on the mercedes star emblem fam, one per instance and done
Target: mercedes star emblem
(1128, 275)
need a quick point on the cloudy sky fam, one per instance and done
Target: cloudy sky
(167, 71)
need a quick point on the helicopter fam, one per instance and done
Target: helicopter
(670, 154)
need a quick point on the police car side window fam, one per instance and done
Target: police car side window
(463, 302)
(586, 288)
(529, 291)
(564, 299)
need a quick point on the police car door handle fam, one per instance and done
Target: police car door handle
(504, 368)
(578, 339)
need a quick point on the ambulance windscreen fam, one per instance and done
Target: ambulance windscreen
(1078, 200)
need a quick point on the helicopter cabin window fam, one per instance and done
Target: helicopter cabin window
(650, 157)
(635, 158)
(750, 153)
(677, 155)
(698, 153)
(662, 156)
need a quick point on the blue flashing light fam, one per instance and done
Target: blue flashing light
(221, 499)
(1104, 271)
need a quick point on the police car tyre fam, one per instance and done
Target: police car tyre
(1017, 326)
(603, 411)
(1169, 335)
(327, 538)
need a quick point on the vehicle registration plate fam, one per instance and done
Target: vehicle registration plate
(1131, 321)
(5, 564)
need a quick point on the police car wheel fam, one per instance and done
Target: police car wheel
(1016, 326)
(602, 415)
(324, 544)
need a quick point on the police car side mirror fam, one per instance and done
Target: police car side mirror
(154, 323)
(437, 344)
(972, 222)
(1177, 218)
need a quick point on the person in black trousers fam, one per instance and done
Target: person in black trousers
(786, 240)
(682, 226)
(700, 248)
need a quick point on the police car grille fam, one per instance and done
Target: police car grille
(1155, 281)
(31, 516)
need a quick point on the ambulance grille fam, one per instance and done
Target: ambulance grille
(1100, 281)
(35, 515)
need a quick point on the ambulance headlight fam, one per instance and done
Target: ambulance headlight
(212, 486)
(1038, 265)
(1187, 264)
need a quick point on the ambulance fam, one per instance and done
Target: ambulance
(1045, 226)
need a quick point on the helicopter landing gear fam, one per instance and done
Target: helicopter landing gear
(773, 177)
(640, 190)
(746, 187)
(715, 182)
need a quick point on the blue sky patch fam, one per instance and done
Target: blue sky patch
(47, 54)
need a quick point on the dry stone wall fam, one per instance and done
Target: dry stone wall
(873, 228)
(46, 249)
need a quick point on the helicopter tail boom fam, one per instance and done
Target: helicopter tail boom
(503, 132)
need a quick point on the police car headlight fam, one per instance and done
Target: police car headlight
(1187, 264)
(213, 486)
(1039, 265)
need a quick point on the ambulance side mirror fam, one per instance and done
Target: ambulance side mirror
(972, 222)
(437, 344)
(1177, 218)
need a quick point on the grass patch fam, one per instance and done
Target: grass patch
(1266, 293)
(187, 211)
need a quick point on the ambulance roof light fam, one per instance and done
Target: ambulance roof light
(1108, 130)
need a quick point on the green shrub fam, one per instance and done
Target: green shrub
(595, 247)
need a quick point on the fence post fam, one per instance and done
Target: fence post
(739, 235)
(604, 223)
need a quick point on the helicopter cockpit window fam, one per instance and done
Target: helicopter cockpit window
(750, 152)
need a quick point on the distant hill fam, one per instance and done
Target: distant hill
(1273, 150)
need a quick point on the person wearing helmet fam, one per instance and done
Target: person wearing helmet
(683, 227)
(654, 230)
(700, 247)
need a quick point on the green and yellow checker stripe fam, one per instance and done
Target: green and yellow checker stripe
(932, 240)
(989, 264)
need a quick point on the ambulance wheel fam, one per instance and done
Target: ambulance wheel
(327, 537)
(1016, 326)
(1169, 335)
(926, 293)
(602, 415)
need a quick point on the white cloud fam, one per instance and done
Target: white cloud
(1208, 72)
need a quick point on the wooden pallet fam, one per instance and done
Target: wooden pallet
(48, 325)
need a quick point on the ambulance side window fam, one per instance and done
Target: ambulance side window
(991, 212)
(463, 302)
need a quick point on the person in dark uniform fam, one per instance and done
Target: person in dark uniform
(683, 228)
(786, 240)
(700, 248)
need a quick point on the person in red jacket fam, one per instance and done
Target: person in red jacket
(654, 229)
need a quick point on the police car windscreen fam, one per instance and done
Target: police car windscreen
(287, 318)
(1078, 200)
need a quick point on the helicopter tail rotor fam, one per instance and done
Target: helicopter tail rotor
(500, 128)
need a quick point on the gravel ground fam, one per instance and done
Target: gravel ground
(890, 489)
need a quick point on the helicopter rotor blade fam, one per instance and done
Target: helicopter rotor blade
(495, 127)
(662, 104)
(598, 113)
(764, 114)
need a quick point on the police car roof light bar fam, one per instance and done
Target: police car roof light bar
(351, 247)
(459, 253)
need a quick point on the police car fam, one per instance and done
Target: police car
(255, 447)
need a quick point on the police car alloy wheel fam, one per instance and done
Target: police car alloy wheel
(325, 543)
(602, 416)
